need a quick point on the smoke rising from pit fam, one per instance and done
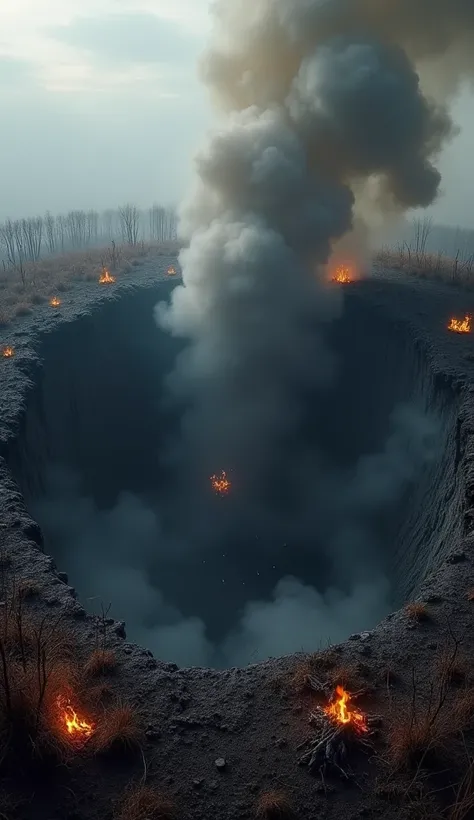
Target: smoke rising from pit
(121, 555)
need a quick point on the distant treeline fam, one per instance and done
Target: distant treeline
(424, 237)
(28, 240)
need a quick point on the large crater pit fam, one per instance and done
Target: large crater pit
(92, 459)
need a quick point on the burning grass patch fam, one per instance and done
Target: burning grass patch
(118, 732)
(273, 805)
(100, 662)
(143, 802)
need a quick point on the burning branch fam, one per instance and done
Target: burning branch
(54, 302)
(339, 727)
(343, 275)
(220, 483)
(460, 325)
(78, 728)
(8, 352)
(105, 278)
(171, 271)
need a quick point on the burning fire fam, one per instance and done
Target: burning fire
(78, 728)
(8, 352)
(171, 271)
(55, 302)
(105, 278)
(461, 325)
(220, 483)
(341, 712)
(343, 274)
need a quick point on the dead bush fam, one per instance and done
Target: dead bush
(143, 802)
(417, 611)
(118, 732)
(100, 662)
(273, 805)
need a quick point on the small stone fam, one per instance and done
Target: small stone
(364, 636)
(432, 645)
(220, 764)
(354, 637)
(63, 576)
(281, 742)
(119, 629)
(456, 558)
(128, 650)
(433, 598)
(198, 782)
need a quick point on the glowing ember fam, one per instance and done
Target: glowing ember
(55, 302)
(461, 325)
(105, 278)
(341, 712)
(220, 483)
(343, 274)
(78, 728)
(8, 352)
(171, 271)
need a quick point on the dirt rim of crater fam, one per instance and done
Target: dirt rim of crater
(214, 740)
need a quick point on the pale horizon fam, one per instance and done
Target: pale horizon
(102, 105)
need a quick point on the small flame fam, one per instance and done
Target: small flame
(171, 271)
(343, 274)
(55, 302)
(105, 278)
(340, 711)
(8, 352)
(461, 325)
(220, 483)
(78, 728)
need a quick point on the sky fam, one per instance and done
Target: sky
(101, 104)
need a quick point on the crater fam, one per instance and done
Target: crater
(92, 458)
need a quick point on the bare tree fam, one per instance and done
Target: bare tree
(130, 223)
(32, 230)
(11, 237)
(51, 234)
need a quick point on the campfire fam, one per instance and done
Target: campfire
(8, 352)
(171, 271)
(55, 302)
(220, 483)
(77, 727)
(340, 728)
(343, 274)
(105, 278)
(460, 325)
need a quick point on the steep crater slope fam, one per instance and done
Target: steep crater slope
(97, 411)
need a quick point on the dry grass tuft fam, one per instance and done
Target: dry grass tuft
(100, 694)
(145, 803)
(416, 739)
(470, 594)
(463, 708)
(273, 805)
(100, 662)
(417, 611)
(118, 732)
(27, 589)
(449, 669)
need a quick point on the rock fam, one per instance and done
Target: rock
(281, 742)
(433, 598)
(63, 576)
(152, 733)
(364, 636)
(128, 650)
(221, 764)
(198, 783)
(456, 558)
(119, 629)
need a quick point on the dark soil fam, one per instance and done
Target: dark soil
(214, 740)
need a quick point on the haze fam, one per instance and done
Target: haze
(101, 104)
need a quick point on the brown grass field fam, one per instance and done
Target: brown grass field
(51, 277)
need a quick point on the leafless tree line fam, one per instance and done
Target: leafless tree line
(27, 240)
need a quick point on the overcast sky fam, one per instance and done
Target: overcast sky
(101, 104)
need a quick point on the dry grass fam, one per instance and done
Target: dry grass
(417, 611)
(273, 805)
(470, 594)
(451, 670)
(100, 662)
(35, 669)
(429, 266)
(414, 739)
(118, 731)
(55, 275)
(144, 803)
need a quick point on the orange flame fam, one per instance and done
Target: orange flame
(171, 271)
(55, 302)
(220, 483)
(8, 352)
(343, 274)
(105, 278)
(78, 728)
(461, 325)
(340, 711)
